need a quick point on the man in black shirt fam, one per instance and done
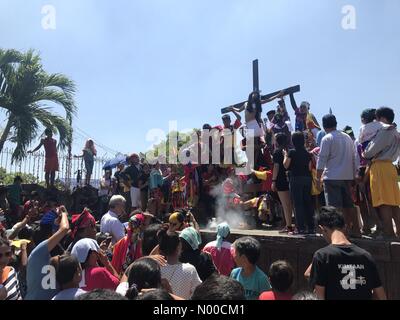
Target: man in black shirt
(343, 271)
(131, 179)
(118, 179)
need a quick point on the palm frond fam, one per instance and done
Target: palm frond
(57, 124)
(57, 97)
(9, 56)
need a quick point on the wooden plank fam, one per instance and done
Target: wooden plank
(289, 90)
(395, 252)
(380, 250)
(392, 275)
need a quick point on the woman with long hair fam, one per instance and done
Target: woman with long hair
(88, 154)
(280, 182)
(298, 162)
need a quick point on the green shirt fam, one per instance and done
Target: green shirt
(15, 194)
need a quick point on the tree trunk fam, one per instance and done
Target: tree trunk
(5, 133)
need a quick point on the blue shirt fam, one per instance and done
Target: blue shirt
(35, 273)
(254, 285)
(320, 135)
(156, 179)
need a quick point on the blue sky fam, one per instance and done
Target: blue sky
(141, 63)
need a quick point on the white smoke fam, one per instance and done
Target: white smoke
(235, 218)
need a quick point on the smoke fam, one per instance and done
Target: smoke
(235, 218)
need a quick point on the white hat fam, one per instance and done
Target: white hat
(82, 247)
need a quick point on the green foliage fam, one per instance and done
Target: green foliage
(8, 178)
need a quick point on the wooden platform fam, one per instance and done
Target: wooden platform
(299, 250)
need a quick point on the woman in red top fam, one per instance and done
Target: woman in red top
(51, 163)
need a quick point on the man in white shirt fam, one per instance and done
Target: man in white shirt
(110, 221)
(337, 168)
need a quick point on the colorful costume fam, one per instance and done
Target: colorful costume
(126, 252)
(178, 194)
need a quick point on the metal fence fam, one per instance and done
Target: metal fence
(69, 168)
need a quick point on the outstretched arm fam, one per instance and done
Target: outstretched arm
(279, 95)
(240, 109)
(37, 148)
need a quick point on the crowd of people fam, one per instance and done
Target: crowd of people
(48, 256)
(142, 240)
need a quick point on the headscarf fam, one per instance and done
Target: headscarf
(192, 237)
(137, 220)
(222, 232)
(81, 221)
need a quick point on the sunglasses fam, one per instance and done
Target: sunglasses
(7, 254)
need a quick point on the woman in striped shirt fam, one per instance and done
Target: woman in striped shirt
(8, 275)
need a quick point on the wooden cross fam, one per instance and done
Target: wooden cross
(256, 88)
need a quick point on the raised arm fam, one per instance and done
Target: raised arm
(62, 231)
(18, 227)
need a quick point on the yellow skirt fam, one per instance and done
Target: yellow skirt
(384, 185)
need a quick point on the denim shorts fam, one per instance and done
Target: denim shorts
(338, 193)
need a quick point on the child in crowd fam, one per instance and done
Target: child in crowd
(155, 184)
(281, 277)
(370, 127)
(253, 279)
(68, 276)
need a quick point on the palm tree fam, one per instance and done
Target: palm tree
(28, 99)
(7, 57)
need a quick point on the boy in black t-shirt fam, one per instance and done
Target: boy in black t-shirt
(343, 271)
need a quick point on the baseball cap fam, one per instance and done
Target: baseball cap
(82, 248)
